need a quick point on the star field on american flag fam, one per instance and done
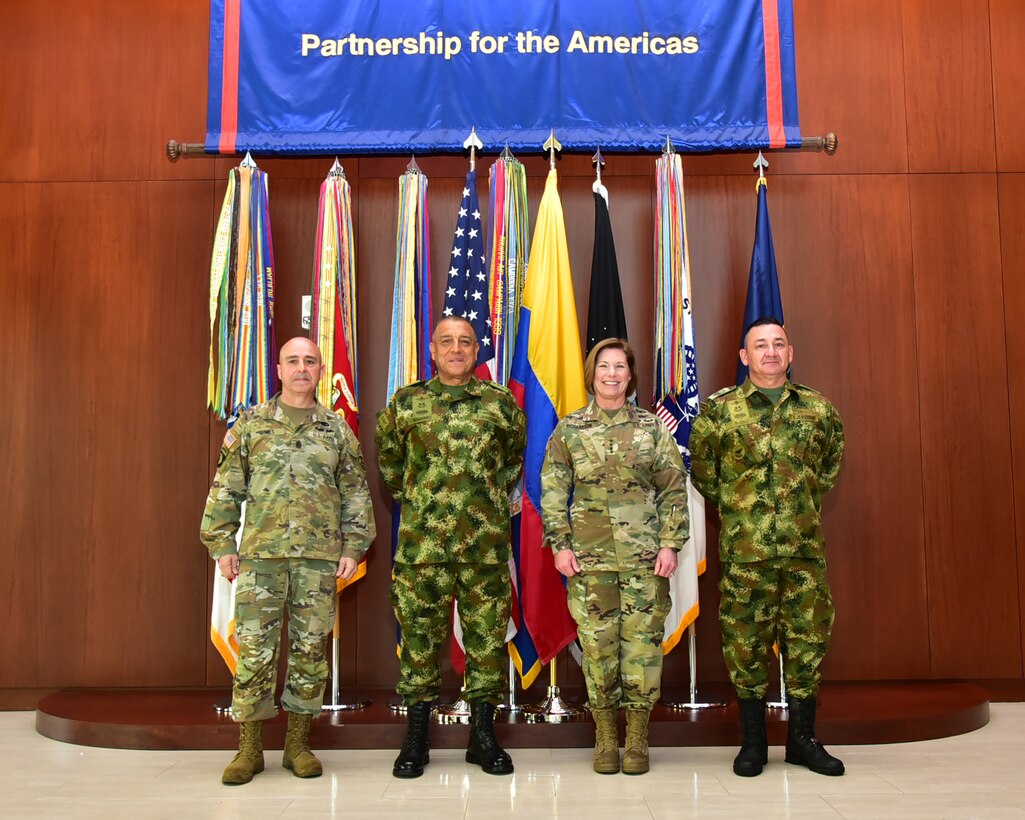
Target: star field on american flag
(466, 289)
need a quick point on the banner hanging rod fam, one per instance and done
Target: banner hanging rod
(190, 150)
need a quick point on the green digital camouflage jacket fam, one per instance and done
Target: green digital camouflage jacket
(613, 489)
(766, 469)
(451, 463)
(305, 488)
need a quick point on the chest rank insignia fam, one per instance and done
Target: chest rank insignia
(421, 408)
(738, 411)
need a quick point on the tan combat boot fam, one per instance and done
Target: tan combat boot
(606, 741)
(297, 755)
(249, 760)
(635, 758)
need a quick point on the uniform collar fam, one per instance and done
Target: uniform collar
(626, 413)
(474, 387)
(749, 387)
(272, 410)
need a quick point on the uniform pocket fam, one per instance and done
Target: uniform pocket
(744, 447)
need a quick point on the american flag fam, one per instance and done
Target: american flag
(466, 291)
(668, 412)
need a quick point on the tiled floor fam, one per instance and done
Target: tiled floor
(981, 775)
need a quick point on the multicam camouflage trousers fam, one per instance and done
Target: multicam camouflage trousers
(265, 588)
(422, 597)
(785, 600)
(620, 619)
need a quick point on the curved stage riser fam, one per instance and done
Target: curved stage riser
(855, 713)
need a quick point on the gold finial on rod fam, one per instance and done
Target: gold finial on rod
(551, 146)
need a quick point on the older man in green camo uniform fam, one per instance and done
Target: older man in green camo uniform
(614, 505)
(299, 470)
(764, 453)
(450, 451)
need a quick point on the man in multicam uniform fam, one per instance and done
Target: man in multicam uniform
(764, 453)
(450, 451)
(614, 505)
(309, 520)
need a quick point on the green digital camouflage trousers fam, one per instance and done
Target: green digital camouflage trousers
(785, 600)
(620, 619)
(422, 597)
(265, 588)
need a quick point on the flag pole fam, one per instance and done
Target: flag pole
(336, 704)
(456, 712)
(175, 150)
(782, 702)
(412, 317)
(512, 707)
(506, 262)
(553, 709)
(692, 658)
(474, 144)
(551, 146)
(597, 161)
(676, 387)
(760, 164)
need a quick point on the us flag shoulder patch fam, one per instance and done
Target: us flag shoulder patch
(229, 439)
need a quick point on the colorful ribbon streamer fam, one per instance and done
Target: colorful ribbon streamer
(241, 370)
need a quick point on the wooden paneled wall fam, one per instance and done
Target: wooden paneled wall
(901, 269)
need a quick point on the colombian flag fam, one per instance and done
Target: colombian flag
(548, 382)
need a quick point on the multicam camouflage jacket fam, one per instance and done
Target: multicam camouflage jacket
(305, 488)
(613, 489)
(766, 468)
(451, 462)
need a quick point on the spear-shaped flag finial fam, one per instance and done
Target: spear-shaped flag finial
(760, 164)
(551, 146)
(474, 144)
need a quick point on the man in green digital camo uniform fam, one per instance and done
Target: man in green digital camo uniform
(614, 505)
(299, 470)
(450, 451)
(764, 453)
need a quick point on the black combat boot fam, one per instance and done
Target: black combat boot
(414, 754)
(802, 746)
(754, 745)
(483, 748)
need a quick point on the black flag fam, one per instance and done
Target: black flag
(605, 317)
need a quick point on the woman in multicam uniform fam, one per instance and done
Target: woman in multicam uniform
(614, 505)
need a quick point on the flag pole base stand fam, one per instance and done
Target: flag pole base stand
(346, 707)
(221, 709)
(397, 707)
(682, 705)
(458, 712)
(777, 704)
(509, 708)
(553, 709)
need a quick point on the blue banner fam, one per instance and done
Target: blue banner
(392, 76)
